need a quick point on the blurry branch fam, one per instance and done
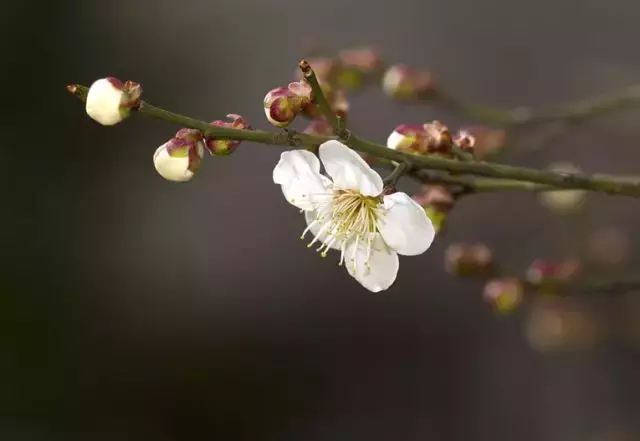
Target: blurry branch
(600, 183)
(572, 112)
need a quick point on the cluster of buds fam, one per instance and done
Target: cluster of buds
(220, 146)
(480, 141)
(504, 294)
(404, 83)
(428, 138)
(110, 101)
(178, 159)
(468, 259)
(546, 274)
(437, 201)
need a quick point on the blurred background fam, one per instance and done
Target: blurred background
(136, 309)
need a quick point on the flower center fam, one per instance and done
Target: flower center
(346, 216)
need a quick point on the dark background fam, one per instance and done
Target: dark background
(136, 309)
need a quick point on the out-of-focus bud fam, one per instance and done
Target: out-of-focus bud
(178, 159)
(436, 196)
(556, 323)
(437, 201)
(481, 141)
(356, 66)
(504, 294)
(283, 104)
(404, 83)
(563, 201)
(325, 69)
(220, 146)
(438, 139)
(608, 247)
(468, 259)
(547, 274)
(319, 127)
(109, 101)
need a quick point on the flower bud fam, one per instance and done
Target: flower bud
(406, 138)
(179, 158)
(404, 83)
(563, 201)
(481, 141)
(436, 196)
(547, 274)
(319, 127)
(438, 138)
(504, 294)
(467, 260)
(109, 101)
(356, 65)
(222, 147)
(283, 104)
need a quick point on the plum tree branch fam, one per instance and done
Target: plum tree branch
(614, 185)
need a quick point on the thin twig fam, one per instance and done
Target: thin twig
(318, 96)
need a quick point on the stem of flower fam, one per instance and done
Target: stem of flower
(318, 96)
(614, 185)
(397, 172)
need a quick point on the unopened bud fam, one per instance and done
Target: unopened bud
(282, 105)
(109, 101)
(563, 201)
(504, 294)
(220, 146)
(466, 260)
(547, 273)
(406, 138)
(319, 127)
(436, 196)
(438, 138)
(404, 83)
(481, 141)
(356, 66)
(178, 159)
(433, 137)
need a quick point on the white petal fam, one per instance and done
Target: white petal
(298, 172)
(405, 226)
(314, 228)
(396, 140)
(348, 170)
(171, 168)
(379, 271)
(103, 103)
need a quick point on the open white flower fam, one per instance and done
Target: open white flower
(350, 214)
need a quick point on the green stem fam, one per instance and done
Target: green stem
(319, 97)
(397, 172)
(627, 186)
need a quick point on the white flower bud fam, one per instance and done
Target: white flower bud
(178, 159)
(563, 201)
(105, 101)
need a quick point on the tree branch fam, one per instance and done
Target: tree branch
(627, 186)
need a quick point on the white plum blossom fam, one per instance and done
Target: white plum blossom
(348, 212)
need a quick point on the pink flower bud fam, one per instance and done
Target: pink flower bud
(222, 147)
(481, 141)
(357, 66)
(504, 294)
(438, 197)
(465, 259)
(282, 105)
(402, 82)
(319, 127)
